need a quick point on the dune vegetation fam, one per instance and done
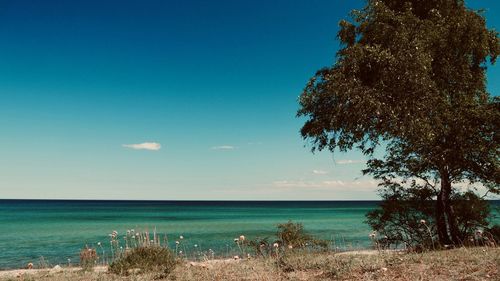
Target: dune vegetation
(480, 263)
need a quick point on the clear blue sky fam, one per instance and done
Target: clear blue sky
(215, 83)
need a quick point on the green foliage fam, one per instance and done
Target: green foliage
(472, 213)
(410, 78)
(145, 260)
(406, 215)
(400, 214)
(293, 234)
(290, 236)
(88, 258)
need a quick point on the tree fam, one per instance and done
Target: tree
(410, 78)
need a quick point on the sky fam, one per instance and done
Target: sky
(170, 100)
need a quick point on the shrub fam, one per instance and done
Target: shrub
(145, 259)
(88, 258)
(293, 234)
(406, 215)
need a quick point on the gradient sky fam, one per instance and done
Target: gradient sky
(214, 82)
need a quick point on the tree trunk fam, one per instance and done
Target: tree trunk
(449, 213)
(453, 225)
(442, 230)
(445, 217)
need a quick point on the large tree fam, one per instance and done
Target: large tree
(410, 78)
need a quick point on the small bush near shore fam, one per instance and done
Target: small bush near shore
(294, 235)
(145, 259)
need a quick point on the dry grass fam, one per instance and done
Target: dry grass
(458, 264)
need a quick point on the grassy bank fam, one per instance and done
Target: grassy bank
(458, 264)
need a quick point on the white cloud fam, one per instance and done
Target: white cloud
(319, 172)
(349, 161)
(144, 146)
(223, 147)
(369, 185)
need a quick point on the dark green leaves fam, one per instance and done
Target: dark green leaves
(413, 75)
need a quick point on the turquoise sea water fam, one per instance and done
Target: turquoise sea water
(57, 230)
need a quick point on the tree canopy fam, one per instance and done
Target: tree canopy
(411, 76)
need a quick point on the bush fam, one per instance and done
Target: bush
(145, 259)
(406, 215)
(293, 234)
(88, 258)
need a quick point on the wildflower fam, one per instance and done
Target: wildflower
(236, 257)
(423, 222)
(276, 245)
(180, 252)
(196, 245)
(479, 232)
(236, 240)
(177, 242)
(290, 247)
(242, 237)
(99, 244)
(373, 234)
(30, 265)
(181, 237)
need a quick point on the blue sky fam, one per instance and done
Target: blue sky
(215, 83)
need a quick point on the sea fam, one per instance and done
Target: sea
(51, 232)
